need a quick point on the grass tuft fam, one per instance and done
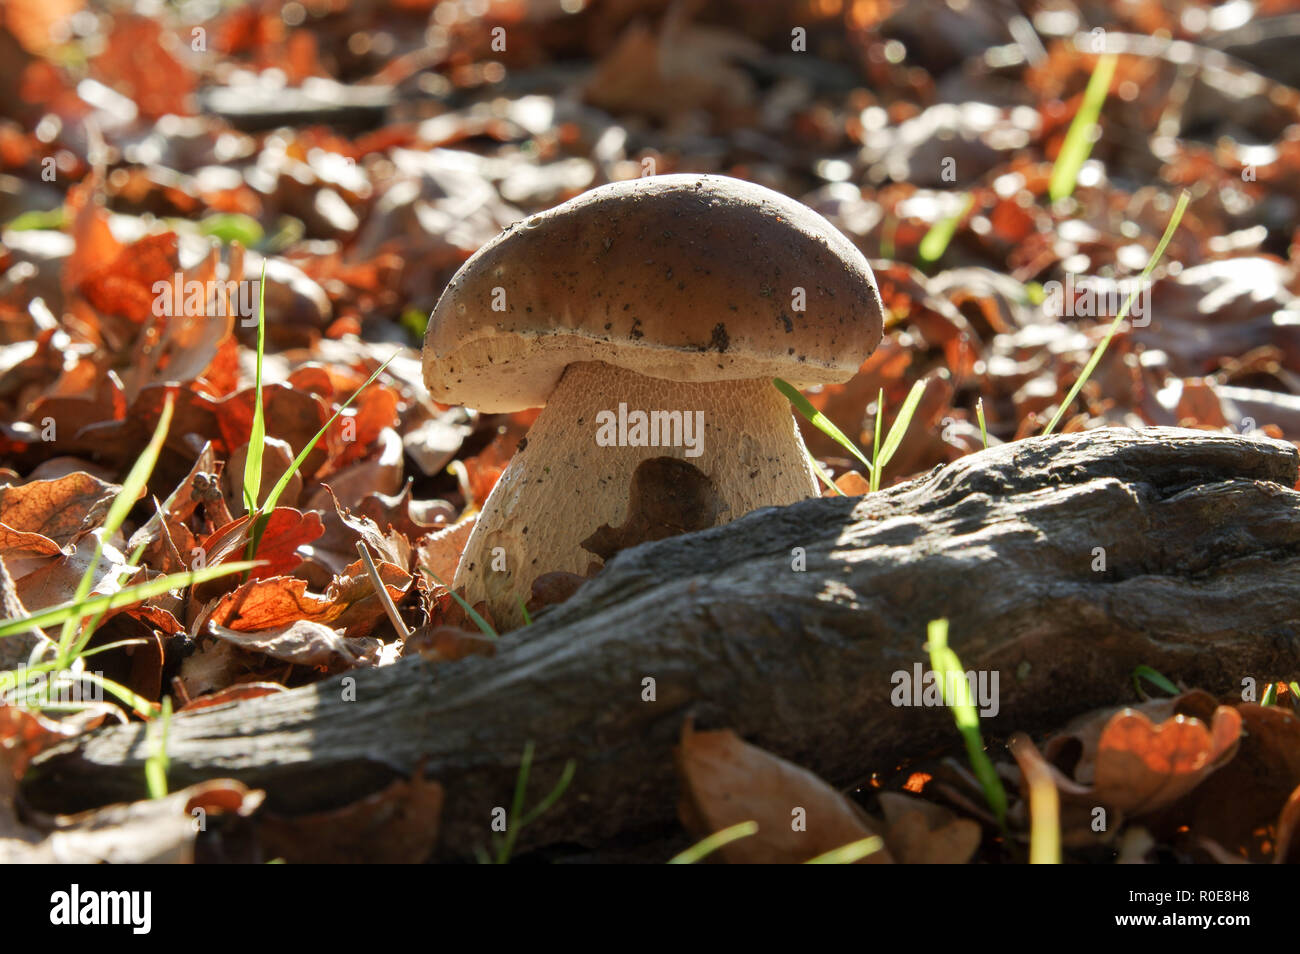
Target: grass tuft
(519, 819)
(897, 431)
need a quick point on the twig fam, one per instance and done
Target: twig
(382, 591)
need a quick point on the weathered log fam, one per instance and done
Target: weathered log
(1200, 535)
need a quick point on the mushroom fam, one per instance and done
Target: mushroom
(648, 317)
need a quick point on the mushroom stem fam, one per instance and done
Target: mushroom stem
(573, 473)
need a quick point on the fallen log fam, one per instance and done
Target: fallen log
(1062, 563)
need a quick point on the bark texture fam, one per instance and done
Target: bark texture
(1201, 540)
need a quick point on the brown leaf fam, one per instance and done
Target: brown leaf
(1073, 748)
(94, 242)
(32, 21)
(852, 484)
(56, 580)
(552, 588)
(25, 734)
(440, 552)
(398, 825)
(413, 519)
(360, 426)
(726, 781)
(286, 530)
(381, 472)
(1285, 849)
(291, 416)
(304, 643)
(124, 285)
(349, 604)
(158, 84)
(181, 344)
(483, 470)
(1076, 803)
(1238, 806)
(153, 831)
(277, 458)
(922, 833)
(60, 509)
(336, 549)
(1143, 767)
(158, 534)
(244, 690)
(447, 643)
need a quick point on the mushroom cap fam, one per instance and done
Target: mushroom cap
(681, 277)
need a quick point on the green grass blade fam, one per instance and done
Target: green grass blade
(52, 219)
(875, 440)
(819, 420)
(1123, 313)
(234, 227)
(77, 610)
(1078, 139)
(518, 819)
(136, 702)
(979, 415)
(9, 677)
(940, 234)
(897, 430)
(132, 488)
(547, 803)
(156, 765)
(257, 434)
(528, 620)
(702, 849)
(948, 670)
(484, 626)
(847, 854)
(822, 475)
(1153, 677)
(1270, 695)
(516, 806)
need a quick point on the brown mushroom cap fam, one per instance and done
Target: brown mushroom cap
(682, 277)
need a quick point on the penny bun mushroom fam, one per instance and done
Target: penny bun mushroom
(679, 297)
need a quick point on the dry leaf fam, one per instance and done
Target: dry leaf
(726, 781)
(398, 825)
(1143, 767)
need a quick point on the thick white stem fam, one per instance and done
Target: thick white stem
(562, 485)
